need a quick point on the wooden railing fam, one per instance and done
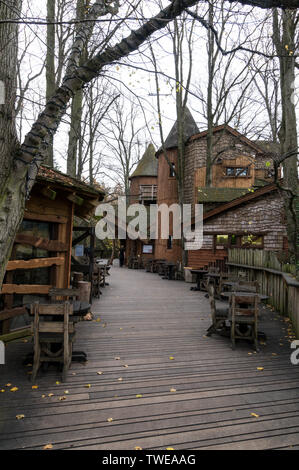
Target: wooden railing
(281, 286)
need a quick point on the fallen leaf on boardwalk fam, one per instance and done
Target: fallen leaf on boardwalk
(57, 383)
(117, 358)
(204, 336)
(100, 373)
(48, 447)
(20, 416)
(62, 398)
(87, 386)
(173, 390)
(249, 354)
(88, 317)
(28, 365)
(34, 387)
(120, 379)
(98, 320)
(171, 358)
(121, 328)
(8, 385)
(126, 366)
(110, 420)
(14, 389)
(169, 448)
(138, 396)
(138, 448)
(51, 395)
(66, 392)
(43, 396)
(260, 368)
(254, 415)
(274, 354)
(2, 391)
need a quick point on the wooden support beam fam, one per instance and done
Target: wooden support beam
(80, 238)
(75, 199)
(60, 219)
(12, 313)
(34, 263)
(42, 243)
(49, 193)
(16, 334)
(25, 289)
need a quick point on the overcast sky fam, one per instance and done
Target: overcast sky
(134, 82)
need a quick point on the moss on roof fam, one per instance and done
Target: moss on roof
(53, 176)
(148, 165)
(221, 194)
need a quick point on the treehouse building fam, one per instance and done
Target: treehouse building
(242, 208)
(41, 254)
(143, 190)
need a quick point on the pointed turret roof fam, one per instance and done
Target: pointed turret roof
(190, 128)
(148, 165)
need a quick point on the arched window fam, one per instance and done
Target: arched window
(2, 92)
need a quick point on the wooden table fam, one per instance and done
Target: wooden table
(243, 293)
(199, 273)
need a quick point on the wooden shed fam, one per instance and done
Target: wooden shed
(41, 255)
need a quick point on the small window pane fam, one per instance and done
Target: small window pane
(222, 239)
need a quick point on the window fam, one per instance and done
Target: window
(172, 170)
(147, 193)
(269, 173)
(222, 240)
(147, 249)
(252, 241)
(169, 242)
(238, 241)
(237, 172)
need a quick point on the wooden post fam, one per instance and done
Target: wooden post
(77, 277)
(85, 291)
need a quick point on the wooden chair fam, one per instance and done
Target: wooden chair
(66, 294)
(97, 281)
(244, 312)
(49, 333)
(218, 315)
(249, 286)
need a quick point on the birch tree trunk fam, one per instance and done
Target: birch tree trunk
(50, 69)
(12, 188)
(284, 39)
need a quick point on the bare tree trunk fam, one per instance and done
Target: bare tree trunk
(211, 67)
(285, 46)
(12, 188)
(76, 112)
(50, 69)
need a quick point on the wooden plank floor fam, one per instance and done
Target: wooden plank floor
(145, 321)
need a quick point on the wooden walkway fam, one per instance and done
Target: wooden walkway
(201, 399)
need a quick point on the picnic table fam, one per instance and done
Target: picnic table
(199, 273)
